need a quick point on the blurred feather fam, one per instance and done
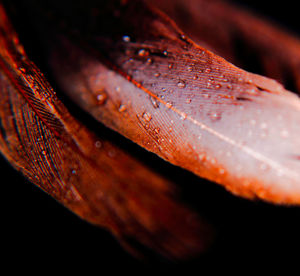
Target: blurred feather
(240, 36)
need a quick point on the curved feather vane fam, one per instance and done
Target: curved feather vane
(87, 174)
(240, 37)
(177, 99)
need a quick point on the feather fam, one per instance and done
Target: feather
(241, 37)
(88, 174)
(177, 99)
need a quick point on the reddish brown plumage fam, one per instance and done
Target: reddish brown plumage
(88, 174)
(208, 115)
(144, 78)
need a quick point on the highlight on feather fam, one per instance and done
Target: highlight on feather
(88, 174)
(177, 99)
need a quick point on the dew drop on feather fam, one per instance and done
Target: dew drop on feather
(168, 105)
(122, 108)
(143, 53)
(101, 97)
(98, 144)
(181, 84)
(147, 116)
(126, 38)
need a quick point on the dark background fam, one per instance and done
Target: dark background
(38, 233)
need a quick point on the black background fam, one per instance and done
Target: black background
(40, 234)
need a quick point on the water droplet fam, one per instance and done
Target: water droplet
(157, 75)
(101, 97)
(154, 102)
(181, 84)
(122, 108)
(98, 144)
(188, 101)
(143, 53)
(147, 116)
(218, 86)
(195, 77)
(224, 78)
(73, 171)
(183, 116)
(157, 130)
(215, 116)
(170, 66)
(229, 86)
(207, 70)
(168, 105)
(183, 37)
(149, 60)
(22, 69)
(165, 53)
(126, 38)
